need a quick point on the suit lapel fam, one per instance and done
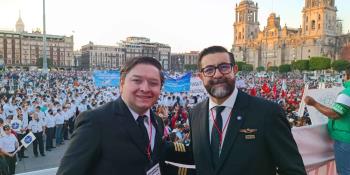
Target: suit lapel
(128, 122)
(236, 121)
(158, 137)
(204, 133)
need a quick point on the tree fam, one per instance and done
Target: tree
(260, 68)
(284, 68)
(300, 65)
(190, 67)
(272, 68)
(247, 67)
(240, 65)
(340, 65)
(319, 63)
(40, 61)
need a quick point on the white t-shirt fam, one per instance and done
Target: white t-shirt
(8, 143)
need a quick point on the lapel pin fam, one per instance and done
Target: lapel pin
(239, 118)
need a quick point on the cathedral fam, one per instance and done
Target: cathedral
(320, 34)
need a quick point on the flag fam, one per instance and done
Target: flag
(253, 91)
(28, 139)
(274, 89)
(265, 88)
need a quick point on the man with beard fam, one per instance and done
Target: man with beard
(234, 133)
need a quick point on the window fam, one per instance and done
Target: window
(313, 24)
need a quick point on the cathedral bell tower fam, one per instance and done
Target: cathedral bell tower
(246, 26)
(319, 18)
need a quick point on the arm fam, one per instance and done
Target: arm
(83, 150)
(281, 144)
(329, 112)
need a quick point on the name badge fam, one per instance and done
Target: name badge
(155, 170)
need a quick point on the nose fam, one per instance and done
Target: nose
(144, 87)
(217, 73)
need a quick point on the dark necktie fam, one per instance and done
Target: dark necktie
(141, 123)
(215, 136)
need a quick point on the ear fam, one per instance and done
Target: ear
(235, 69)
(122, 81)
(201, 76)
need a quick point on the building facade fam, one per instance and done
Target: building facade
(22, 49)
(100, 57)
(320, 34)
(141, 46)
(179, 61)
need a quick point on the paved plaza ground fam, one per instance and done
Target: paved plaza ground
(51, 160)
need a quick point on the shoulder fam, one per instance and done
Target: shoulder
(98, 113)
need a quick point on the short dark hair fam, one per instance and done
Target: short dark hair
(214, 49)
(141, 60)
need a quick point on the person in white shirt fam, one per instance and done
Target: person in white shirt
(66, 117)
(37, 127)
(18, 127)
(59, 120)
(41, 114)
(8, 145)
(50, 129)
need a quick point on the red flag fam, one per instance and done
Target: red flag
(265, 88)
(253, 91)
(274, 89)
(283, 93)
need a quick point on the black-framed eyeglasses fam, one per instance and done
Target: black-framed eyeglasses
(224, 68)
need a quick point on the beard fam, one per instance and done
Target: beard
(223, 91)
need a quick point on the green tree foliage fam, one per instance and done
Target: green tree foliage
(272, 68)
(247, 67)
(300, 65)
(240, 65)
(190, 67)
(319, 63)
(340, 65)
(284, 68)
(260, 68)
(39, 62)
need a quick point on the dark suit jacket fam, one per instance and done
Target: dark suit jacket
(107, 140)
(271, 147)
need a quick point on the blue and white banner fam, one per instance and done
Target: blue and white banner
(106, 78)
(179, 84)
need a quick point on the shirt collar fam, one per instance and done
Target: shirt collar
(229, 102)
(135, 115)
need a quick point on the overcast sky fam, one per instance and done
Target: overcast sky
(183, 24)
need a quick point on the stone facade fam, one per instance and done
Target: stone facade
(100, 57)
(141, 46)
(22, 49)
(320, 34)
(179, 60)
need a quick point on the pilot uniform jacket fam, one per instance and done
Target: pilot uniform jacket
(258, 140)
(107, 140)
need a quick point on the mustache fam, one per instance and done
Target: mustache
(217, 81)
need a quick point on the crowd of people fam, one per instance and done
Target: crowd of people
(47, 106)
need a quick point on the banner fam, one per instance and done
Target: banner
(28, 139)
(324, 96)
(180, 84)
(197, 86)
(106, 78)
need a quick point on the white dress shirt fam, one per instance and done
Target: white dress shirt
(146, 122)
(228, 103)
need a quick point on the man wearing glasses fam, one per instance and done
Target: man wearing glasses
(234, 133)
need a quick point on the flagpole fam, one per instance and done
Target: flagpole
(44, 41)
